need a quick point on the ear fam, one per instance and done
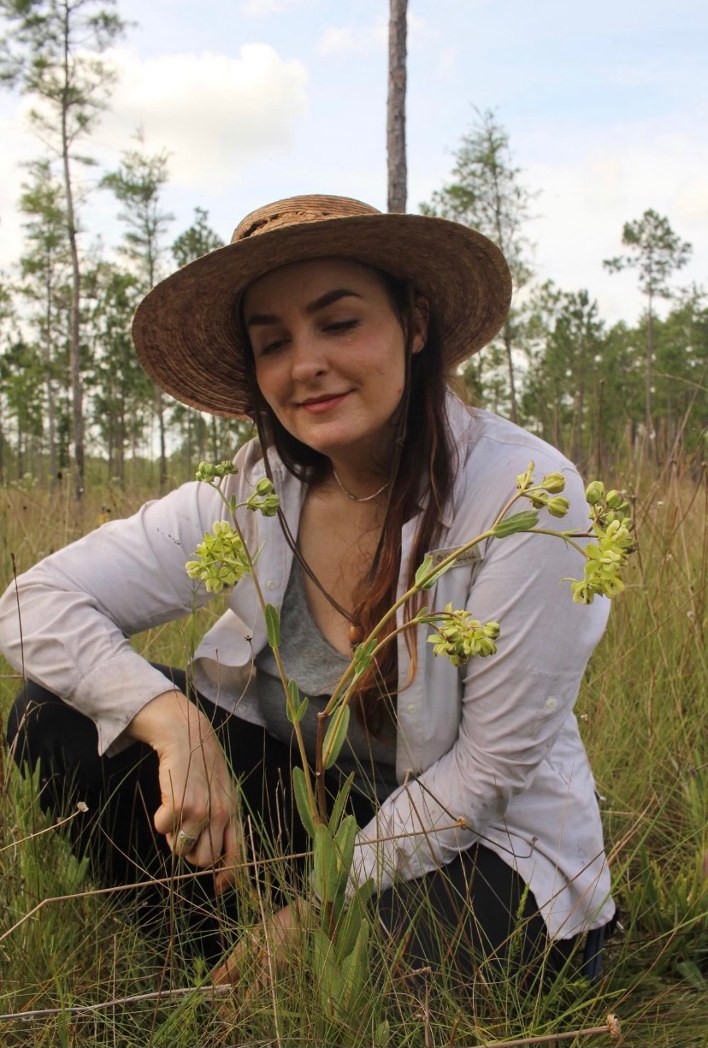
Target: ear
(421, 313)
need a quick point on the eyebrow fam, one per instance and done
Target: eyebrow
(327, 299)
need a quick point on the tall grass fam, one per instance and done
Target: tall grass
(644, 716)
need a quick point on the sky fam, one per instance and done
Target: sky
(605, 105)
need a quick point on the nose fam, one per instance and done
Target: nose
(308, 360)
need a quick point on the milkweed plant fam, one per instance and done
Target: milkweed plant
(340, 934)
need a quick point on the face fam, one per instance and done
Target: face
(329, 354)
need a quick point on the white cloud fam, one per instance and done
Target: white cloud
(263, 8)
(588, 196)
(338, 38)
(18, 147)
(213, 113)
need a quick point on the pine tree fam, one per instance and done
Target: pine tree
(51, 51)
(655, 251)
(137, 185)
(197, 240)
(487, 194)
(46, 290)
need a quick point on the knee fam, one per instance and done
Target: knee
(42, 728)
(22, 724)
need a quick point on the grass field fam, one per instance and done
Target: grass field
(644, 716)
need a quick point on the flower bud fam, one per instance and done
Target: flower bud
(558, 506)
(553, 483)
(205, 471)
(594, 492)
(614, 499)
(523, 481)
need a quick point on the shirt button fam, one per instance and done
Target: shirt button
(270, 584)
(411, 707)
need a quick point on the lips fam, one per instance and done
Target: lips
(325, 402)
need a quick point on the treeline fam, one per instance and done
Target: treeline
(600, 393)
(74, 400)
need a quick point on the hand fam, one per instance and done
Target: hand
(198, 814)
(273, 944)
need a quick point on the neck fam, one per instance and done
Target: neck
(359, 481)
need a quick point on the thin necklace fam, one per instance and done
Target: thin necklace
(355, 498)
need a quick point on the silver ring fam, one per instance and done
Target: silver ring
(186, 838)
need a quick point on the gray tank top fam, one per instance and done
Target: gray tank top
(316, 666)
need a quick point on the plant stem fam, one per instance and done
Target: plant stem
(317, 814)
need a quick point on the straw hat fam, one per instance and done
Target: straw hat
(187, 330)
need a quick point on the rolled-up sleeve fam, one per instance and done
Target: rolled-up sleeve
(66, 622)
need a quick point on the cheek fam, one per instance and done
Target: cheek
(266, 378)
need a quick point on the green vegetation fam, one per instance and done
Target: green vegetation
(644, 718)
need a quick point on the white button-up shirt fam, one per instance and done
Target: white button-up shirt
(489, 752)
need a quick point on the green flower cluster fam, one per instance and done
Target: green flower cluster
(547, 494)
(208, 471)
(460, 636)
(264, 499)
(605, 559)
(221, 559)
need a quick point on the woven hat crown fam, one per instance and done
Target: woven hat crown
(296, 211)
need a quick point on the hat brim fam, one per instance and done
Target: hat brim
(189, 338)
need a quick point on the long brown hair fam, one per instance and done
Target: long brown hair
(423, 475)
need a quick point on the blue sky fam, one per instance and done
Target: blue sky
(605, 104)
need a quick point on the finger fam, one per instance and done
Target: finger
(210, 847)
(233, 856)
(228, 972)
(184, 841)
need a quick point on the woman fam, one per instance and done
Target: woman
(334, 327)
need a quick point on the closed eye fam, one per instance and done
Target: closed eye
(338, 326)
(271, 347)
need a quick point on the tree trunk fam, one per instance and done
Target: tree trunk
(160, 411)
(49, 384)
(508, 348)
(77, 405)
(396, 110)
(2, 450)
(648, 413)
(214, 440)
(578, 440)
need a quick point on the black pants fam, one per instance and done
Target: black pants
(475, 908)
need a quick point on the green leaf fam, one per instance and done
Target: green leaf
(321, 951)
(425, 568)
(329, 977)
(363, 654)
(344, 842)
(427, 576)
(692, 974)
(301, 710)
(292, 701)
(325, 864)
(348, 926)
(340, 802)
(336, 734)
(302, 801)
(355, 968)
(517, 522)
(272, 617)
(382, 1034)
